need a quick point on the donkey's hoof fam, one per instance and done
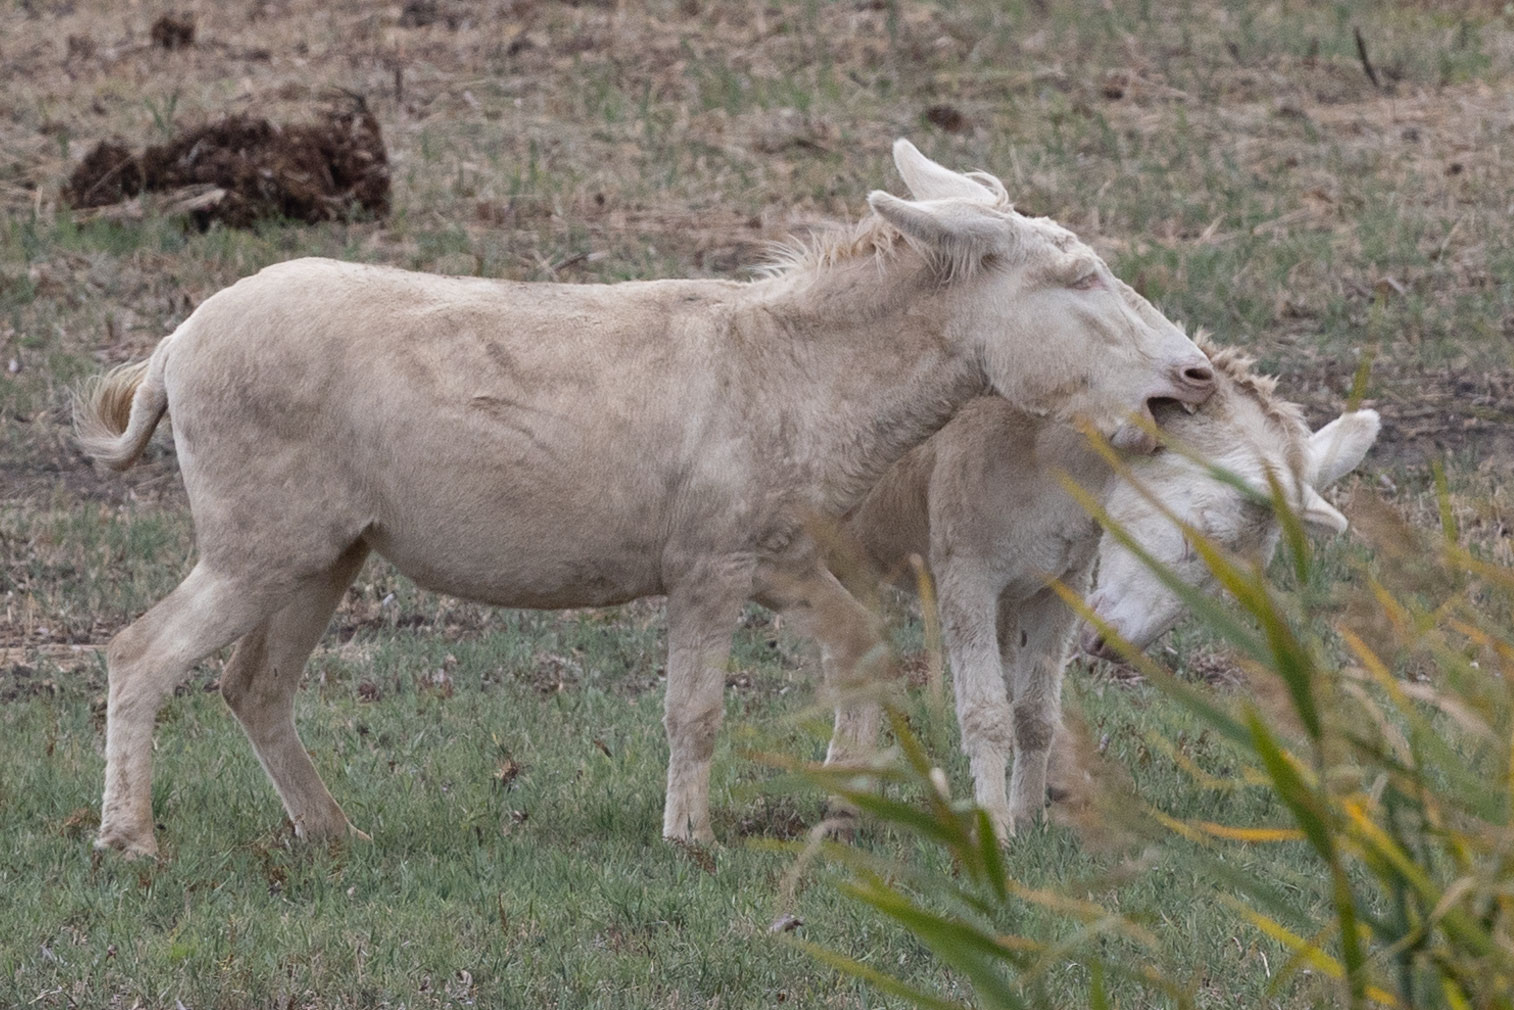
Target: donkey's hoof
(1028, 820)
(131, 845)
(1004, 829)
(328, 826)
(703, 836)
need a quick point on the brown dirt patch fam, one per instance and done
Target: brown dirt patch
(35, 481)
(1448, 413)
(333, 169)
(174, 31)
(1428, 413)
(20, 681)
(425, 13)
(777, 817)
(108, 174)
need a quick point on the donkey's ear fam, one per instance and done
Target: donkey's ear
(1339, 446)
(960, 232)
(928, 180)
(1320, 515)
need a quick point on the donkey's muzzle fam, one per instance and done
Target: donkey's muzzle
(1192, 382)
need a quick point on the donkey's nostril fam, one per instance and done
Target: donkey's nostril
(1199, 375)
(1193, 383)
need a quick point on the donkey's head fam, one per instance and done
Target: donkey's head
(1248, 432)
(1055, 331)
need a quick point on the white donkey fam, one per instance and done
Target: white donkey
(983, 501)
(551, 445)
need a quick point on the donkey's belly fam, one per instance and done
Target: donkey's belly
(549, 562)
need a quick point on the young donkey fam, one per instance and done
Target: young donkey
(551, 445)
(984, 502)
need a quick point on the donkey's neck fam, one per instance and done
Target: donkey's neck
(876, 426)
(1064, 451)
(860, 358)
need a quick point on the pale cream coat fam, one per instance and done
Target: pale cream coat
(546, 445)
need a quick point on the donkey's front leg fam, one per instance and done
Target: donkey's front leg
(1034, 646)
(969, 611)
(701, 619)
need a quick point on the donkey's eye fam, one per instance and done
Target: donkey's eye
(1087, 282)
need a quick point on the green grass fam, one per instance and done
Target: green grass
(1231, 159)
(552, 889)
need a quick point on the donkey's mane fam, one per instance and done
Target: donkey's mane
(872, 237)
(1286, 417)
(831, 245)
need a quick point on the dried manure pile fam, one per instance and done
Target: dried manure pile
(244, 169)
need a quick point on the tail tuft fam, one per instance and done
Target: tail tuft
(111, 420)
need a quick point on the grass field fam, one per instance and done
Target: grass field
(1234, 161)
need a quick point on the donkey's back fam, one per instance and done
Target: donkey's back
(497, 441)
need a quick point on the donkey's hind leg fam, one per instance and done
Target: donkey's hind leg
(259, 685)
(855, 662)
(145, 662)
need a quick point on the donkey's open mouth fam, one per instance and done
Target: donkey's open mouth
(1139, 432)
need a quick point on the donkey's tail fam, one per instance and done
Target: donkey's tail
(115, 413)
